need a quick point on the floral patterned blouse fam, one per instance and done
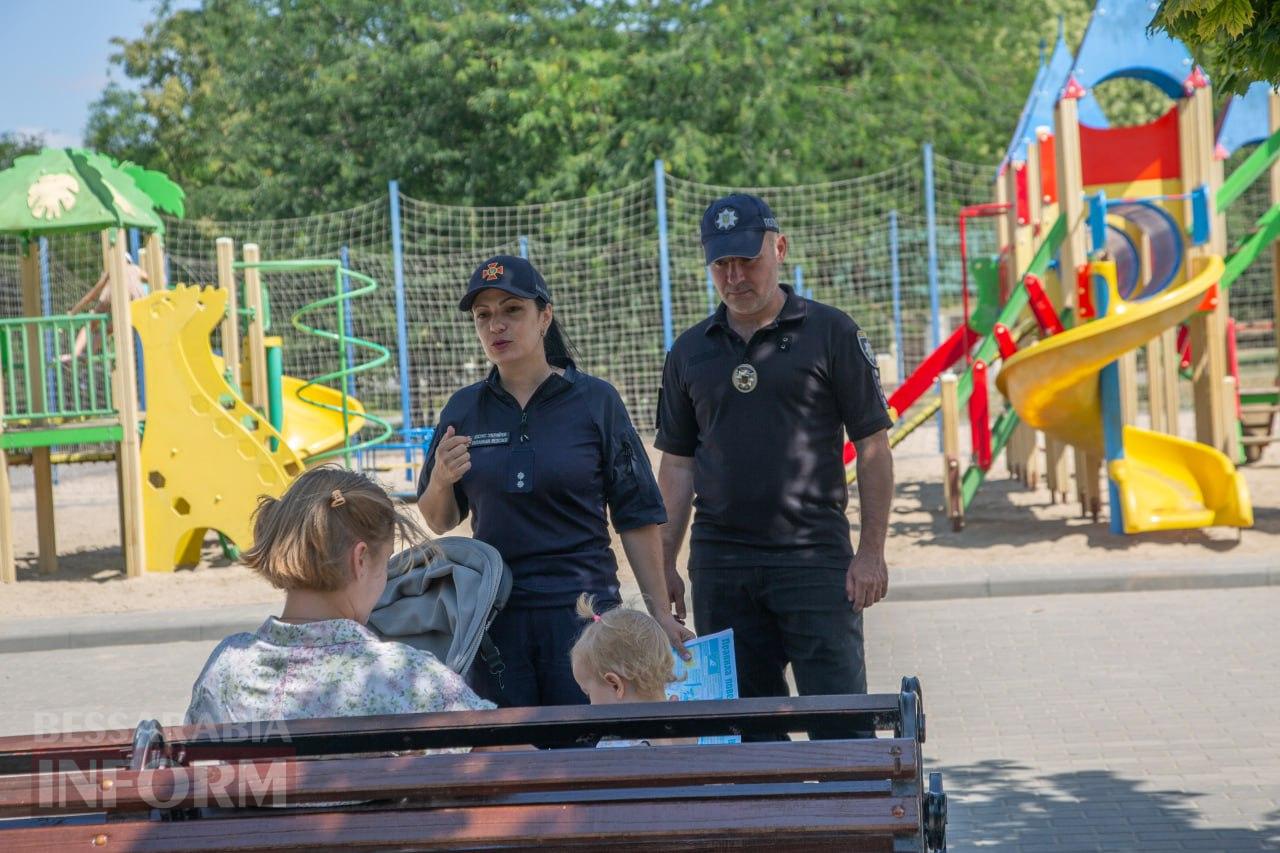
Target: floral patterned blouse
(333, 668)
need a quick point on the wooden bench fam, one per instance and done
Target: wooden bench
(311, 784)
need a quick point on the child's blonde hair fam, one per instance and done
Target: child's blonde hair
(302, 539)
(626, 642)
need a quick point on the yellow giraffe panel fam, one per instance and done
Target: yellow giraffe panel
(206, 454)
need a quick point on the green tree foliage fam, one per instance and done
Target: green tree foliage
(14, 145)
(285, 107)
(1240, 39)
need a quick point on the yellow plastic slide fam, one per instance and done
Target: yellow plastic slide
(310, 429)
(1164, 482)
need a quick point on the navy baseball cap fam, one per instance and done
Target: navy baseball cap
(506, 272)
(734, 226)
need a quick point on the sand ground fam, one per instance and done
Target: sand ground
(1007, 524)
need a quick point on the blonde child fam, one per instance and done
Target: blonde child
(326, 543)
(622, 655)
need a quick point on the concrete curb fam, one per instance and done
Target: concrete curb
(118, 629)
(906, 585)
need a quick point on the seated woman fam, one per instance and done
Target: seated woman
(326, 542)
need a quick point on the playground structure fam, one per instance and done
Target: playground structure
(217, 431)
(1143, 230)
(1136, 218)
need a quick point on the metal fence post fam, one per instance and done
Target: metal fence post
(402, 330)
(664, 256)
(931, 225)
(349, 380)
(931, 233)
(895, 273)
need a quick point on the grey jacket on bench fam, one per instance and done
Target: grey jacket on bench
(445, 603)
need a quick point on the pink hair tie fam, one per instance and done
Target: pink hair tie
(595, 617)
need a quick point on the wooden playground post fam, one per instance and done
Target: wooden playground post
(1208, 328)
(1017, 450)
(124, 382)
(1230, 393)
(155, 262)
(257, 337)
(1034, 239)
(41, 468)
(1128, 364)
(1066, 118)
(226, 251)
(1057, 473)
(951, 450)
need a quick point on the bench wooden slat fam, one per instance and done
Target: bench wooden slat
(458, 776)
(813, 823)
(505, 726)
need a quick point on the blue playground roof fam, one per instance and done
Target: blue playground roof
(1116, 44)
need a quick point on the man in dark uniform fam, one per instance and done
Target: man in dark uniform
(755, 404)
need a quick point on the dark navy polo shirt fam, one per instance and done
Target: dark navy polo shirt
(541, 478)
(769, 481)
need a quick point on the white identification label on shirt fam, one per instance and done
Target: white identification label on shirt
(487, 439)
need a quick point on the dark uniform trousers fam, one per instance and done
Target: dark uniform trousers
(780, 615)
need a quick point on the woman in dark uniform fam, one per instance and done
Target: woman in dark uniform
(536, 453)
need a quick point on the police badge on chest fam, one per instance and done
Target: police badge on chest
(745, 378)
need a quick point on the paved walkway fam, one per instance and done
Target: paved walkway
(1146, 721)
(906, 584)
(1138, 721)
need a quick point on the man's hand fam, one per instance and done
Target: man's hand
(867, 580)
(676, 633)
(675, 591)
(453, 456)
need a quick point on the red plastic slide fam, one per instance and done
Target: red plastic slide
(922, 379)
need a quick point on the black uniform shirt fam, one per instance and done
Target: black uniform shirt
(769, 479)
(541, 478)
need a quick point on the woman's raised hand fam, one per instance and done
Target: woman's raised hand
(453, 456)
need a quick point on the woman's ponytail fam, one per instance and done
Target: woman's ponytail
(555, 343)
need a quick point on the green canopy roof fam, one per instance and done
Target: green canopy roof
(66, 190)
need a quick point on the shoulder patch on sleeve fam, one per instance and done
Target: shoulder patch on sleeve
(864, 344)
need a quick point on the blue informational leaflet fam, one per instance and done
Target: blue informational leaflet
(710, 674)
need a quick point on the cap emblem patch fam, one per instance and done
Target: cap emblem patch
(726, 218)
(493, 272)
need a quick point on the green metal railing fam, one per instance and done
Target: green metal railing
(45, 379)
(1254, 167)
(343, 339)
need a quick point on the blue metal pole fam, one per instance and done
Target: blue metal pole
(524, 246)
(712, 299)
(931, 231)
(348, 381)
(134, 243)
(895, 274)
(931, 236)
(402, 330)
(799, 281)
(1112, 436)
(664, 256)
(1109, 376)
